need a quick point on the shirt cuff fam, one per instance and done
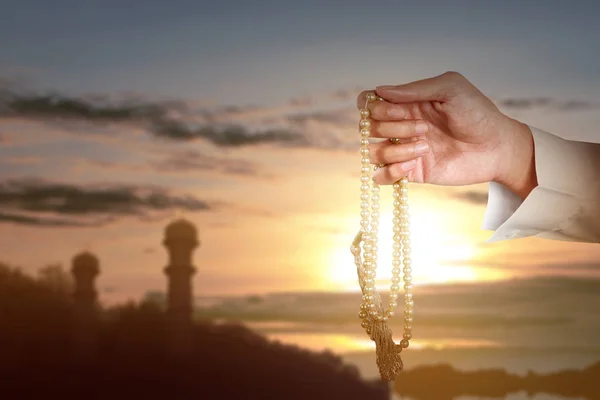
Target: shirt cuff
(568, 176)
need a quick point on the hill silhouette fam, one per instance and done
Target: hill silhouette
(132, 361)
(228, 359)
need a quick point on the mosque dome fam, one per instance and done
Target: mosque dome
(86, 263)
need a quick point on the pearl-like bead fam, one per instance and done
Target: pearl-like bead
(371, 309)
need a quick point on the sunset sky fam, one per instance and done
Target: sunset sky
(115, 116)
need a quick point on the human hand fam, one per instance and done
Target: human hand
(450, 134)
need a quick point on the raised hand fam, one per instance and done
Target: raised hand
(450, 134)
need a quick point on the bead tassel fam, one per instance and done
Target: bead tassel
(374, 317)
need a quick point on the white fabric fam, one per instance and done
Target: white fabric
(566, 203)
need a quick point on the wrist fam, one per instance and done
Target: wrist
(517, 165)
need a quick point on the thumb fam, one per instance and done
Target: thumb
(439, 88)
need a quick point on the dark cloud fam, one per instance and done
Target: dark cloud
(171, 120)
(547, 102)
(37, 202)
(48, 222)
(193, 160)
(58, 106)
(473, 197)
(229, 136)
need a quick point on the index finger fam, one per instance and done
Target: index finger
(382, 110)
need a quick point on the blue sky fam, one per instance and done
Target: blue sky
(259, 52)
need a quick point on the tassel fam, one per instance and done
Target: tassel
(388, 357)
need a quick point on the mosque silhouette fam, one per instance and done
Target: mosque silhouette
(180, 239)
(200, 358)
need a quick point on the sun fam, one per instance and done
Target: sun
(433, 245)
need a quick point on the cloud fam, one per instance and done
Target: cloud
(22, 160)
(479, 198)
(194, 160)
(43, 203)
(337, 95)
(547, 102)
(174, 120)
(48, 222)
(335, 117)
(229, 136)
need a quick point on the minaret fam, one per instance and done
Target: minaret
(181, 238)
(85, 269)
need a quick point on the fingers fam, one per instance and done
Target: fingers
(438, 88)
(398, 129)
(389, 153)
(393, 172)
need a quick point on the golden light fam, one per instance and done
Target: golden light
(433, 244)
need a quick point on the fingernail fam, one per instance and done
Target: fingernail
(408, 165)
(421, 127)
(396, 112)
(386, 87)
(421, 148)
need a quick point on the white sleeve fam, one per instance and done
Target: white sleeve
(566, 203)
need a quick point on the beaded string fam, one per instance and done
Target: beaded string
(372, 314)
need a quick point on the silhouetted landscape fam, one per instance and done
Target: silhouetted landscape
(59, 342)
(131, 358)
